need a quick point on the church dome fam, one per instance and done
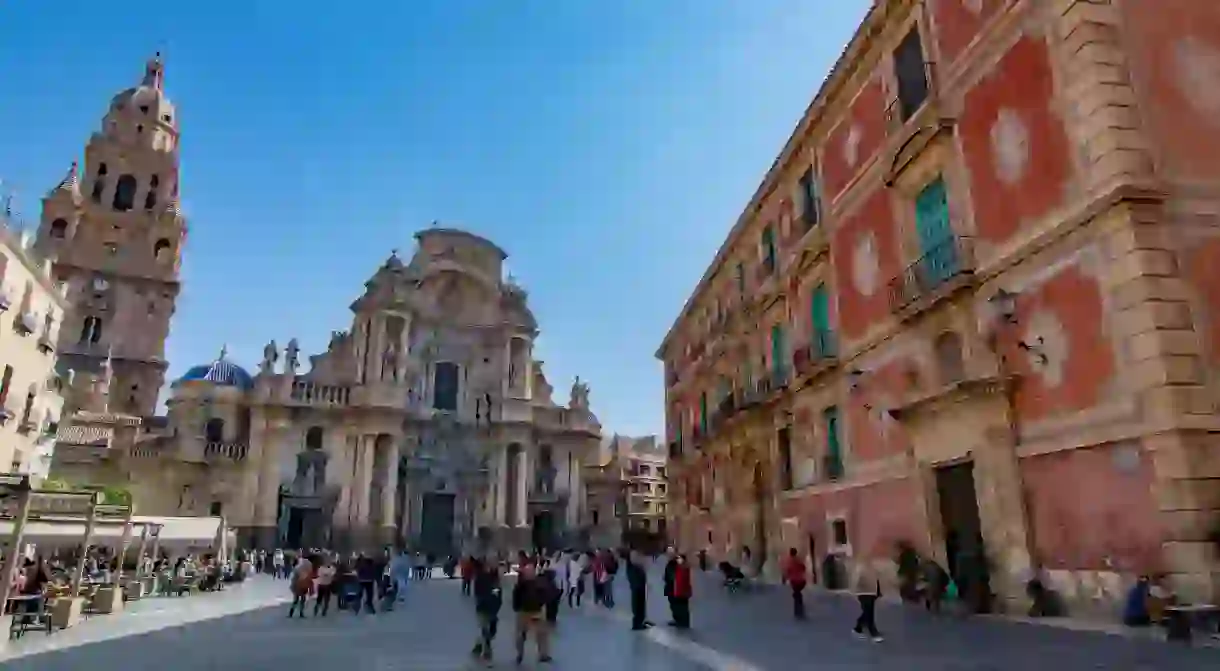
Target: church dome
(221, 372)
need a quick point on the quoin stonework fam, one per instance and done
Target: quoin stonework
(428, 421)
(971, 307)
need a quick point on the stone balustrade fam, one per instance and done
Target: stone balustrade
(312, 393)
(219, 451)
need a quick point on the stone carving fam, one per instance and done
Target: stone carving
(310, 478)
(865, 265)
(545, 475)
(1195, 69)
(1010, 149)
(292, 355)
(579, 399)
(389, 364)
(271, 355)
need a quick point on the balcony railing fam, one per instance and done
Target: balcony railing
(911, 98)
(25, 323)
(822, 348)
(217, 450)
(320, 394)
(832, 467)
(937, 269)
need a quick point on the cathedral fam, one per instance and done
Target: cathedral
(428, 422)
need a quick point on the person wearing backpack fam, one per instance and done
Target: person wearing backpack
(608, 588)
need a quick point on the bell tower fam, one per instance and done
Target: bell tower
(115, 233)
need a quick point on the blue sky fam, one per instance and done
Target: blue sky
(607, 145)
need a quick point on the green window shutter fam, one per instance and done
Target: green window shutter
(779, 354)
(768, 245)
(834, 449)
(703, 412)
(935, 231)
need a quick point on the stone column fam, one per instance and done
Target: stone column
(363, 485)
(266, 510)
(248, 495)
(389, 493)
(499, 469)
(524, 478)
(339, 475)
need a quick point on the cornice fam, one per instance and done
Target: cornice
(879, 17)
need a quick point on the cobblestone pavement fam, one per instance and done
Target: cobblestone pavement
(744, 632)
(756, 628)
(432, 631)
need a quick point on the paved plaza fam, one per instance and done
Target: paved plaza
(434, 631)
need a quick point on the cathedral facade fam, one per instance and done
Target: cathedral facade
(427, 422)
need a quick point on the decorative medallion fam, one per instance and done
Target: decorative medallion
(1009, 146)
(865, 265)
(851, 146)
(1196, 72)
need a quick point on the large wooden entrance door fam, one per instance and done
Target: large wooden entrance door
(436, 525)
(964, 551)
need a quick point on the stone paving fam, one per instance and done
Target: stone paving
(743, 632)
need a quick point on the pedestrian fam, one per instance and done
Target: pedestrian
(563, 575)
(637, 582)
(795, 575)
(488, 599)
(277, 564)
(681, 593)
(301, 584)
(550, 576)
(597, 574)
(367, 574)
(611, 569)
(325, 587)
(400, 571)
(579, 570)
(867, 588)
(530, 596)
(466, 571)
(667, 584)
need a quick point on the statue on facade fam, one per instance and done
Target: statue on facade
(271, 355)
(310, 477)
(579, 398)
(292, 357)
(546, 473)
(389, 363)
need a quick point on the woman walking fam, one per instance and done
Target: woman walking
(301, 584)
(680, 593)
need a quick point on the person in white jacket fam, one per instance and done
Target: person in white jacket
(866, 585)
(563, 572)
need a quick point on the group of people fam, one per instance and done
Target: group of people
(359, 583)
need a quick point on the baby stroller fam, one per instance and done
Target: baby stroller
(734, 579)
(348, 593)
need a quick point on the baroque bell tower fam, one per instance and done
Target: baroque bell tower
(115, 233)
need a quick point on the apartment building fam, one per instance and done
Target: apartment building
(627, 490)
(972, 307)
(32, 307)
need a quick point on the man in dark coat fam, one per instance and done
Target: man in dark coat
(637, 582)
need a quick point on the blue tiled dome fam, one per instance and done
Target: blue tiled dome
(220, 372)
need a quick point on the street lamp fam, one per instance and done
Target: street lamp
(1005, 304)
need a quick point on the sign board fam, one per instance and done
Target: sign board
(61, 503)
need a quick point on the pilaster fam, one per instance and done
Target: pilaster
(1102, 116)
(389, 488)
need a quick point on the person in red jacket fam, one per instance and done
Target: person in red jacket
(794, 575)
(682, 592)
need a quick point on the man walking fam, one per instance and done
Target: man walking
(530, 597)
(794, 575)
(487, 602)
(637, 582)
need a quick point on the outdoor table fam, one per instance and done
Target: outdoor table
(1181, 619)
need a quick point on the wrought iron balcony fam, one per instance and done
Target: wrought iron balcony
(942, 269)
(832, 467)
(822, 349)
(912, 95)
